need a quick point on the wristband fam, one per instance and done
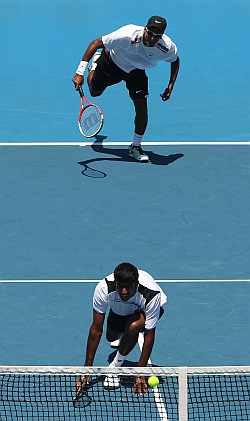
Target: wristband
(81, 68)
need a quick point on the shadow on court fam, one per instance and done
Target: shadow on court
(121, 155)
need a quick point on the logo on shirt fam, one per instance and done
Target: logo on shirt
(137, 39)
(162, 47)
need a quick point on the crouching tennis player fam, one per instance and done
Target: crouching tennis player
(123, 56)
(135, 303)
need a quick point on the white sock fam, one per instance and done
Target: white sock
(137, 139)
(118, 360)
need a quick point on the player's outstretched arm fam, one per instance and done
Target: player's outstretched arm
(78, 79)
(95, 333)
(175, 65)
(149, 338)
(140, 385)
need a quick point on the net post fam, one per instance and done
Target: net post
(183, 393)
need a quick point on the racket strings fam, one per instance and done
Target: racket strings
(90, 121)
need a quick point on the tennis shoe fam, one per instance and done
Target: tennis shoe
(136, 152)
(111, 381)
(93, 64)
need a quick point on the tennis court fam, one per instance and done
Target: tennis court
(70, 213)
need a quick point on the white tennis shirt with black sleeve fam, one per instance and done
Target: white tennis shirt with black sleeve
(149, 297)
(127, 51)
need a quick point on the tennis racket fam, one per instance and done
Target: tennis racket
(90, 120)
(82, 398)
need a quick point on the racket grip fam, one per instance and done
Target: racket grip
(81, 92)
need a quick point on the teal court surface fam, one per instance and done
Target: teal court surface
(183, 218)
(69, 214)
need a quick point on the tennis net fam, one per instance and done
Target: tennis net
(184, 393)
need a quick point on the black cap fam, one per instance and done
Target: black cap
(157, 24)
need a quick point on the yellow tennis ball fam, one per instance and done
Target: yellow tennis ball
(153, 381)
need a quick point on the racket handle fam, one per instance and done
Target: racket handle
(81, 92)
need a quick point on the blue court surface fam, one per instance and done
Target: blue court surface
(71, 212)
(44, 42)
(204, 324)
(184, 218)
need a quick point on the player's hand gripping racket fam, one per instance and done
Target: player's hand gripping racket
(82, 398)
(90, 120)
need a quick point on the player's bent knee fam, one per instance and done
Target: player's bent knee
(136, 327)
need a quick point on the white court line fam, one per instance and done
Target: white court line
(83, 144)
(94, 281)
(157, 395)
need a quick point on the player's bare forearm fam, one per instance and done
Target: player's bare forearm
(140, 385)
(92, 344)
(175, 65)
(149, 338)
(92, 48)
(88, 54)
(174, 72)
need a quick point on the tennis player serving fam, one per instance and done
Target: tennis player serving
(135, 303)
(124, 55)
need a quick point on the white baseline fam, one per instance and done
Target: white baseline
(94, 281)
(83, 143)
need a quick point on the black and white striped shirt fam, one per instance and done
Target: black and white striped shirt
(149, 297)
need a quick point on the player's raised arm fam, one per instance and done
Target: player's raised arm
(87, 55)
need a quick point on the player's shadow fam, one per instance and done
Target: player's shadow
(121, 155)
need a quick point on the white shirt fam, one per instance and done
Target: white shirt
(128, 51)
(149, 298)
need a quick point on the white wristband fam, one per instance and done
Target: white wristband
(81, 68)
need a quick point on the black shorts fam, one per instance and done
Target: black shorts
(107, 74)
(117, 324)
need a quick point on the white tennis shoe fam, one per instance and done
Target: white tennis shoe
(93, 64)
(136, 152)
(111, 381)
